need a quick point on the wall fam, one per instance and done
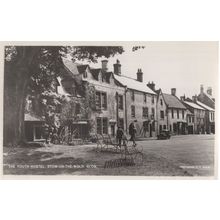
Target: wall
(139, 104)
(173, 120)
(160, 121)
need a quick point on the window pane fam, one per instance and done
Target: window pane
(104, 100)
(105, 125)
(99, 125)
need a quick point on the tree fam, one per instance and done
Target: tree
(27, 64)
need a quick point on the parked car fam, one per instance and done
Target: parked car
(164, 134)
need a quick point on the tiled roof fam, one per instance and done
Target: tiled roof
(205, 106)
(31, 117)
(133, 84)
(193, 105)
(173, 101)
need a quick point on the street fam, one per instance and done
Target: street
(189, 155)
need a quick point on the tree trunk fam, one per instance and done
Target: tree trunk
(14, 105)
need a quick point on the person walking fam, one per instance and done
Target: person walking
(119, 135)
(132, 132)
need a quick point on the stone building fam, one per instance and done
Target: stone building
(161, 108)
(140, 103)
(176, 113)
(198, 115)
(108, 110)
(209, 118)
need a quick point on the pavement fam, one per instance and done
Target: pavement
(188, 155)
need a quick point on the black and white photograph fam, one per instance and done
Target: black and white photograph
(118, 109)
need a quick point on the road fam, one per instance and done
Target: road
(195, 153)
(189, 155)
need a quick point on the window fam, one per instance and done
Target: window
(120, 102)
(105, 126)
(183, 114)
(98, 100)
(161, 102)
(172, 113)
(177, 113)
(162, 114)
(132, 95)
(189, 119)
(145, 97)
(160, 128)
(170, 127)
(133, 111)
(99, 125)
(102, 125)
(145, 112)
(101, 100)
(153, 113)
(38, 132)
(164, 127)
(121, 123)
(152, 99)
(104, 100)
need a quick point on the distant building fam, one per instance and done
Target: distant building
(206, 97)
(161, 108)
(198, 115)
(209, 118)
(176, 111)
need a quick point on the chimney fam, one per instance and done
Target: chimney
(117, 68)
(173, 91)
(151, 85)
(209, 91)
(194, 98)
(201, 89)
(182, 98)
(104, 65)
(139, 75)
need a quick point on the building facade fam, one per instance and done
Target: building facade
(198, 116)
(176, 113)
(140, 104)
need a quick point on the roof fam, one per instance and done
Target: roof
(133, 84)
(31, 117)
(172, 101)
(205, 106)
(70, 66)
(193, 105)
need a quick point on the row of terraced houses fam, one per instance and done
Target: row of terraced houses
(121, 100)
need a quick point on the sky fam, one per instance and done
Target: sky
(181, 65)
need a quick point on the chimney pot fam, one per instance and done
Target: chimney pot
(173, 91)
(139, 75)
(104, 65)
(209, 91)
(117, 67)
(201, 89)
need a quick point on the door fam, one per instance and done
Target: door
(150, 130)
(113, 130)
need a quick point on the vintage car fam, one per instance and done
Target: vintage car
(164, 134)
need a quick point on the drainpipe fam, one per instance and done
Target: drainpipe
(116, 95)
(126, 119)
